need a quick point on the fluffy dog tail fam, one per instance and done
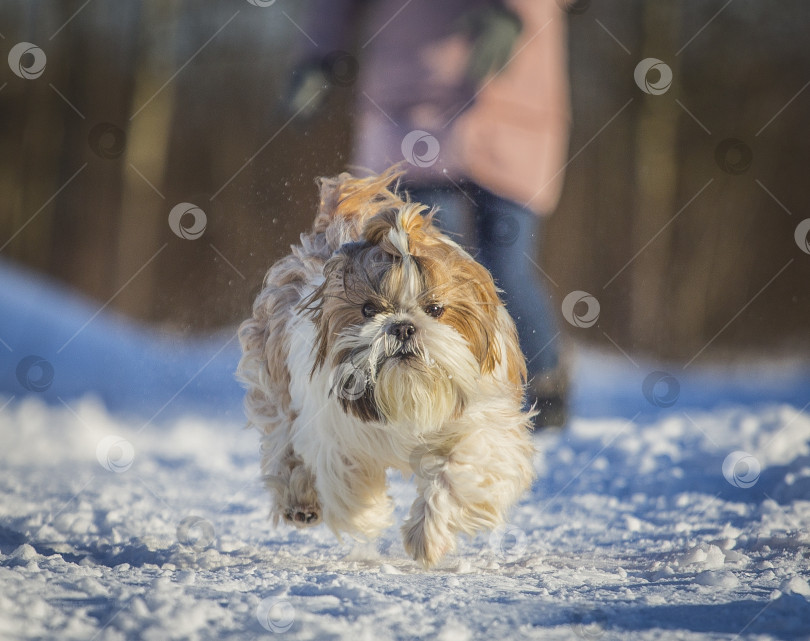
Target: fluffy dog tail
(348, 202)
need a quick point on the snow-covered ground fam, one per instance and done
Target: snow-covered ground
(672, 511)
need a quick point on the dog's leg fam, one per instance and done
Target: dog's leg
(301, 506)
(354, 497)
(292, 485)
(467, 489)
(428, 533)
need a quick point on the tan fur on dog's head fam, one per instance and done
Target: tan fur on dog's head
(404, 273)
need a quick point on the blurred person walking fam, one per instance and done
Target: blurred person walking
(473, 94)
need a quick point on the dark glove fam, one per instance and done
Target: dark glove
(492, 31)
(310, 82)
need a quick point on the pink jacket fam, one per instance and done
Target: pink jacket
(509, 134)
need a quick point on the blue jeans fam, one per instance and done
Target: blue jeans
(503, 236)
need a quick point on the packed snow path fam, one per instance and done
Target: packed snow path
(137, 512)
(633, 530)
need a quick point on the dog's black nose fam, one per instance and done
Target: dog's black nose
(403, 330)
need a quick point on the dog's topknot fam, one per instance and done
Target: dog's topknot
(352, 201)
(398, 231)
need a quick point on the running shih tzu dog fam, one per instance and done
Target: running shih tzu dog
(380, 343)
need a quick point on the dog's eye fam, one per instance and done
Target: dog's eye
(434, 310)
(369, 310)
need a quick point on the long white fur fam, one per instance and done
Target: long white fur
(316, 456)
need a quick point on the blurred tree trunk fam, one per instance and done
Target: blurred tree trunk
(144, 208)
(657, 175)
(31, 137)
(97, 55)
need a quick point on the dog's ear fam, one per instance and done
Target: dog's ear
(314, 306)
(515, 360)
(475, 311)
(264, 341)
(494, 339)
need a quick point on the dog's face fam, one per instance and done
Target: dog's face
(407, 322)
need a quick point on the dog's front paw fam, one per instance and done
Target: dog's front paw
(302, 507)
(427, 549)
(302, 516)
(296, 500)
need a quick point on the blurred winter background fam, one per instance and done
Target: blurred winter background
(678, 212)
(682, 215)
(138, 111)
